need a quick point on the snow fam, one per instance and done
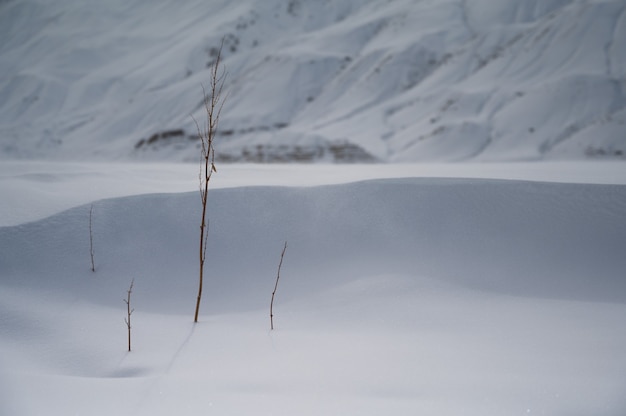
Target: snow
(401, 80)
(485, 289)
(490, 286)
(64, 185)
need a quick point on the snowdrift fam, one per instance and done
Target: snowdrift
(524, 238)
(396, 296)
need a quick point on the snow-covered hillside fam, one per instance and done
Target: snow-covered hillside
(362, 80)
(402, 295)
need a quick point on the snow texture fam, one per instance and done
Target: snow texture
(400, 294)
(310, 80)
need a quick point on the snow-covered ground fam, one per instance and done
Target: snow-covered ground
(432, 289)
(398, 81)
(484, 289)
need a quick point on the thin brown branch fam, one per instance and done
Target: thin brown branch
(129, 311)
(93, 265)
(213, 105)
(276, 287)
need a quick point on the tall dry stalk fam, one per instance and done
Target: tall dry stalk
(213, 104)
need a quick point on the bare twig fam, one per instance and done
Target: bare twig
(213, 104)
(129, 311)
(276, 287)
(93, 265)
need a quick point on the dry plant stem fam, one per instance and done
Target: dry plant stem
(276, 287)
(129, 311)
(93, 266)
(213, 106)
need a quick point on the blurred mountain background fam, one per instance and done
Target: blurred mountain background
(315, 80)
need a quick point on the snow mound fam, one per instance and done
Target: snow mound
(523, 238)
(443, 296)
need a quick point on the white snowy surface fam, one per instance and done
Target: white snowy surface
(404, 80)
(441, 290)
(37, 189)
(484, 289)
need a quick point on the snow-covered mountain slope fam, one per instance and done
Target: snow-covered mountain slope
(364, 80)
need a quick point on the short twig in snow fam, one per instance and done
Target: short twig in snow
(129, 311)
(93, 265)
(276, 287)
